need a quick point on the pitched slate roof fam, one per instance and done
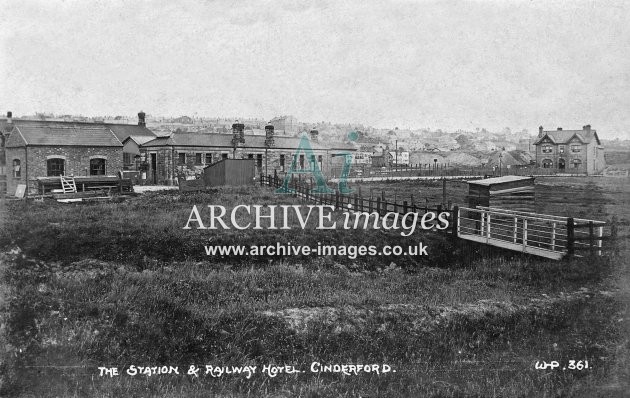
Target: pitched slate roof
(564, 136)
(139, 139)
(122, 131)
(225, 140)
(43, 133)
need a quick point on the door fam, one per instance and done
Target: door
(561, 164)
(154, 167)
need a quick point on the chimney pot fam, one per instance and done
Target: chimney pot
(540, 131)
(9, 117)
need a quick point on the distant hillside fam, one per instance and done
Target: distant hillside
(621, 156)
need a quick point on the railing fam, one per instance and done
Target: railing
(540, 234)
(355, 201)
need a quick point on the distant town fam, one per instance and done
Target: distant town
(161, 150)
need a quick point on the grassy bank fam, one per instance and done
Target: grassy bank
(122, 284)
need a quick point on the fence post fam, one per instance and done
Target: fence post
(570, 236)
(553, 237)
(336, 200)
(591, 238)
(524, 233)
(370, 205)
(378, 205)
(404, 206)
(356, 202)
(515, 228)
(443, 188)
(455, 222)
(488, 226)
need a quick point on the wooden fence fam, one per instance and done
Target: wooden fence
(445, 170)
(356, 202)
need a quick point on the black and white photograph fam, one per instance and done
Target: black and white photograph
(291, 198)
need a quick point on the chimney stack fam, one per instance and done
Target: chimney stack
(269, 142)
(9, 117)
(540, 131)
(238, 133)
(587, 127)
(141, 119)
(314, 135)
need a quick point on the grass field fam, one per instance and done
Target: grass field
(121, 284)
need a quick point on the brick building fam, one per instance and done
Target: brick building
(570, 151)
(44, 148)
(132, 136)
(284, 124)
(72, 141)
(184, 153)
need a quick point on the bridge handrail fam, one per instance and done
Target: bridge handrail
(499, 212)
(557, 218)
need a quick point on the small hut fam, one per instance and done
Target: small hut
(230, 172)
(509, 192)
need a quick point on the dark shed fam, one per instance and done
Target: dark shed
(230, 172)
(509, 192)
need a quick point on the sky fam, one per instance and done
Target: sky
(407, 64)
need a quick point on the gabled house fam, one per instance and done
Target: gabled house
(570, 151)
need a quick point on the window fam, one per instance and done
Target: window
(208, 158)
(282, 162)
(198, 158)
(301, 162)
(250, 156)
(547, 164)
(576, 148)
(577, 163)
(17, 169)
(55, 167)
(182, 158)
(561, 149)
(224, 155)
(259, 161)
(547, 148)
(97, 167)
(128, 158)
